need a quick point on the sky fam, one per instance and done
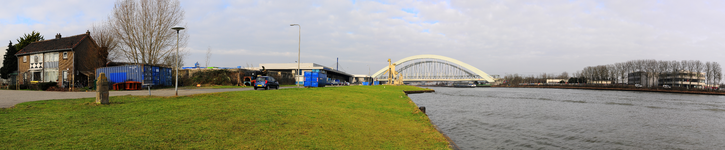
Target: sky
(498, 37)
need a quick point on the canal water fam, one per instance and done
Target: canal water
(529, 118)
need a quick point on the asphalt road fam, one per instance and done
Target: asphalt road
(8, 98)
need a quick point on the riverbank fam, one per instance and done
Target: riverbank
(661, 90)
(354, 117)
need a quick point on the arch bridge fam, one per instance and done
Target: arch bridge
(434, 68)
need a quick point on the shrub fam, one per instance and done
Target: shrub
(45, 85)
(214, 77)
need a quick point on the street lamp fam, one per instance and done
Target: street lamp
(298, 52)
(176, 65)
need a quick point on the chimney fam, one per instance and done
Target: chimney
(88, 32)
(57, 36)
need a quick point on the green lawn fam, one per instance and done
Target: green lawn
(351, 117)
(223, 87)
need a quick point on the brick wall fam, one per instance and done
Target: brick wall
(90, 60)
(65, 64)
(23, 67)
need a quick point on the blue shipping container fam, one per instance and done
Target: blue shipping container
(315, 79)
(138, 73)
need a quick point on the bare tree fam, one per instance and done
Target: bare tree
(611, 73)
(104, 37)
(662, 67)
(675, 68)
(563, 75)
(169, 60)
(685, 66)
(208, 56)
(697, 68)
(717, 73)
(649, 67)
(621, 69)
(708, 74)
(143, 29)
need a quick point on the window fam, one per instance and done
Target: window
(50, 75)
(25, 58)
(65, 55)
(37, 76)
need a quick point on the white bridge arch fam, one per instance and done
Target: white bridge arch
(434, 68)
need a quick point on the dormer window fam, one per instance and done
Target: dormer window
(65, 55)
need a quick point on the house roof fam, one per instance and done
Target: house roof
(53, 44)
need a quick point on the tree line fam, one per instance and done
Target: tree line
(653, 69)
(515, 79)
(618, 73)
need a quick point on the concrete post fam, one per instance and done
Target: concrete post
(102, 89)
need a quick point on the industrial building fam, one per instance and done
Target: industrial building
(358, 79)
(332, 74)
(639, 77)
(679, 79)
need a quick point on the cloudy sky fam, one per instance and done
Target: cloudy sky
(498, 37)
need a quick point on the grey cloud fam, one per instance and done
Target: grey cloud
(496, 36)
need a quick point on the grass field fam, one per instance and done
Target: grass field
(354, 117)
(223, 87)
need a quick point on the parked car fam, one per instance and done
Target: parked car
(666, 86)
(638, 85)
(266, 82)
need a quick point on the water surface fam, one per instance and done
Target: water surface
(528, 118)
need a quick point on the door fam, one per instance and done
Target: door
(65, 79)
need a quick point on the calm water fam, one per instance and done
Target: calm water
(525, 118)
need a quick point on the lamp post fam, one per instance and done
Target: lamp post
(298, 52)
(176, 65)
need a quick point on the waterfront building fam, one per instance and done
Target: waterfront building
(556, 80)
(599, 82)
(682, 79)
(639, 77)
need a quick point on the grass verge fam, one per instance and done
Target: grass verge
(353, 117)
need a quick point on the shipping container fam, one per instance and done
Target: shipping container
(158, 76)
(322, 80)
(315, 79)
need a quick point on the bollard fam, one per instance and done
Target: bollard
(422, 109)
(102, 89)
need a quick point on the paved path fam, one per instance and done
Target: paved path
(8, 98)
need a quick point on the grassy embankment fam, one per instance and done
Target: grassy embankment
(355, 117)
(223, 87)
